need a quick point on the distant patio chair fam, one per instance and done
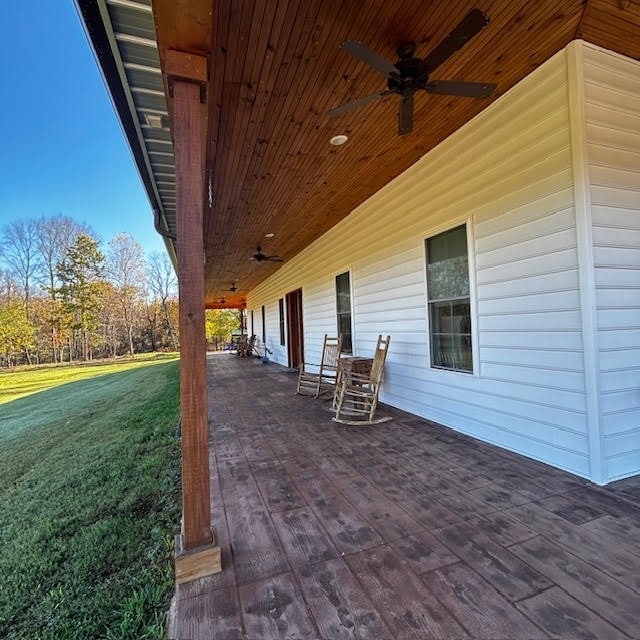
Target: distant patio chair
(245, 347)
(357, 394)
(241, 344)
(322, 378)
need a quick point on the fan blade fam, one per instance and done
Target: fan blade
(453, 88)
(273, 258)
(338, 111)
(361, 51)
(474, 22)
(405, 115)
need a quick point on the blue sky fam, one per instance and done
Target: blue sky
(62, 148)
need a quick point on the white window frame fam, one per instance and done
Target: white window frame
(473, 300)
(351, 304)
(282, 321)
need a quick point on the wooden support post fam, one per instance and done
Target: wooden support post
(196, 553)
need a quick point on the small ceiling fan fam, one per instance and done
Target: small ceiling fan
(233, 288)
(258, 256)
(410, 74)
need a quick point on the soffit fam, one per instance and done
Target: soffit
(275, 70)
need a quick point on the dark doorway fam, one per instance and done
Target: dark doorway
(294, 328)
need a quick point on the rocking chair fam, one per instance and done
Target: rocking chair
(323, 380)
(245, 347)
(357, 394)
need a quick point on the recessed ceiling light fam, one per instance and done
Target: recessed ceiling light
(336, 141)
(269, 235)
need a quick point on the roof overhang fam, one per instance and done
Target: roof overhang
(122, 35)
(276, 69)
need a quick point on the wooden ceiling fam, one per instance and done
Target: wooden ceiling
(276, 68)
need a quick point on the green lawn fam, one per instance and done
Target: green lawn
(89, 500)
(23, 381)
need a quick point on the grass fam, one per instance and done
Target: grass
(23, 381)
(89, 501)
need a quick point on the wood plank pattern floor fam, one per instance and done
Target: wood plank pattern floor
(401, 530)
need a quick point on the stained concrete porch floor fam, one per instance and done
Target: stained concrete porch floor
(401, 530)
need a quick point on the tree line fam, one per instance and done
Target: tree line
(63, 297)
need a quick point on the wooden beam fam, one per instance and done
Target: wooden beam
(187, 124)
(187, 66)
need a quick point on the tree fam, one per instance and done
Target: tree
(219, 323)
(80, 274)
(126, 271)
(8, 287)
(17, 333)
(20, 252)
(110, 316)
(54, 236)
(163, 283)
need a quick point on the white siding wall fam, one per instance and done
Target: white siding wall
(508, 174)
(612, 109)
(273, 332)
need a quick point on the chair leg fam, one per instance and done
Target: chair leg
(299, 379)
(336, 390)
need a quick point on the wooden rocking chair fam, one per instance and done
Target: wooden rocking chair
(323, 380)
(241, 345)
(357, 394)
(245, 347)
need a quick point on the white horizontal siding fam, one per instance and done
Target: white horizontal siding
(612, 90)
(556, 261)
(508, 173)
(519, 339)
(279, 352)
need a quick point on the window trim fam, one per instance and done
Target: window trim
(264, 324)
(341, 272)
(282, 322)
(473, 303)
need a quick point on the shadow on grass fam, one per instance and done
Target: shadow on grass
(18, 384)
(101, 394)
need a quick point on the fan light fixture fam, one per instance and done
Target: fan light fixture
(336, 141)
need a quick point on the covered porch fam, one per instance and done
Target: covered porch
(402, 530)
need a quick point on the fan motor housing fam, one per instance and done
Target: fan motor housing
(409, 68)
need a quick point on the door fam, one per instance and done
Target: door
(294, 328)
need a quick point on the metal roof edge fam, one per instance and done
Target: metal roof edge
(98, 38)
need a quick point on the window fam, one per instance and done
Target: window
(343, 306)
(281, 318)
(252, 329)
(449, 306)
(264, 325)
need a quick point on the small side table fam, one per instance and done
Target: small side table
(355, 364)
(351, 364)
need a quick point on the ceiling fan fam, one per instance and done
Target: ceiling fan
(258, 256)
(233, 288)
(410, 74)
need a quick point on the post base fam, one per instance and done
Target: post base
(196, 563)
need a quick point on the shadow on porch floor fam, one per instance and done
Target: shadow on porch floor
(401, 530)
